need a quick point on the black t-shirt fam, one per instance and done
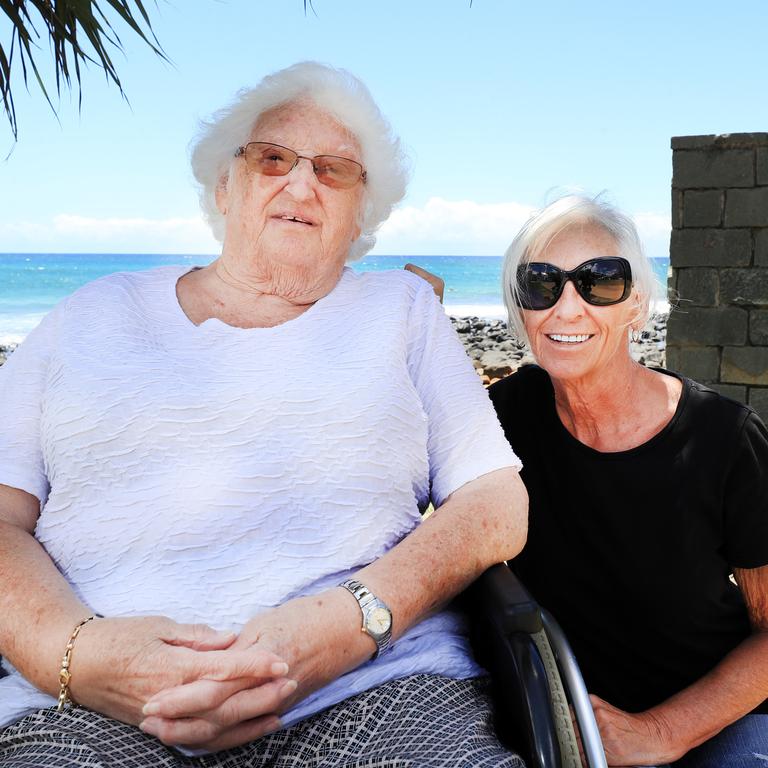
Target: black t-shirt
(632, 551)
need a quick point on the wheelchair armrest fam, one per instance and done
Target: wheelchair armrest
(504, 600)
(504, 620)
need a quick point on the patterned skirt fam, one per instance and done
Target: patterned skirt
(422, 721)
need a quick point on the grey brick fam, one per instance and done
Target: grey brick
(703, 208)
(739, 394)
(761, 248)
(744, 287)
(758, 327)
(744, 365)
(693, 142)
(713, 168)
(711, 248)
(703, 326)
(700, 363)
(758, 399)
(762, 165)
(698, 286)
(746, 207)
(677, 209)
(721, 141)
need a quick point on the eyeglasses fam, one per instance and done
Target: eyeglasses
(274, 160)
(600, 282)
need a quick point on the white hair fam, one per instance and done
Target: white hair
(577, 210)
(334, 91)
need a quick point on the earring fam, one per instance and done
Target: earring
(635, 335)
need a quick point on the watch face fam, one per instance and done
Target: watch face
(379, 621)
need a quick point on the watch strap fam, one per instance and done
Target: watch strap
(366, 599)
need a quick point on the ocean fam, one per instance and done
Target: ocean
(32, 283)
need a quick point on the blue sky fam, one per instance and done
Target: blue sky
(499, 105)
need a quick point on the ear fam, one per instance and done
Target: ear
(362, 208)
(641, 310)
(222, 194)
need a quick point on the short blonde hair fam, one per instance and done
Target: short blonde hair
(334, 91)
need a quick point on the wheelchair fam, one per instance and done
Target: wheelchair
(537, 688)
(536, 683)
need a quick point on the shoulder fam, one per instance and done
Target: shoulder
(393, 298)
(122, 294)
(388, 283)
(706, 405)
(523, 401)
(119, 303)
(126, 284)
(527, 382)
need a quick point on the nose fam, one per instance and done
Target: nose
(301, 179)
(570, 305)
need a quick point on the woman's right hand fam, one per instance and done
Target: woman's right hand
(118, 664)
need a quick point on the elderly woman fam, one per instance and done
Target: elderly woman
(212, 481)
(647, 491)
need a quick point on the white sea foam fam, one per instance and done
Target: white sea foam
(14, 328)
(490, 311)
(499, 312)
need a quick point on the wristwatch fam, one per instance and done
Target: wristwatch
(377, 618)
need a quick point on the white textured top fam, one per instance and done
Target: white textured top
(208, 472)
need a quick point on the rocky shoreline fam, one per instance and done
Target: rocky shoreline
(6, 350)
(496, 354)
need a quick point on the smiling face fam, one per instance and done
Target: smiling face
(292, 232)
(575, 340)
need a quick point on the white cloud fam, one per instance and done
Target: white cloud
(654, 229)
(463, 227)
(439, 227)
(452, 227)
(88, 234)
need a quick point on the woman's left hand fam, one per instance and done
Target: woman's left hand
(632, 739)
(314, 633)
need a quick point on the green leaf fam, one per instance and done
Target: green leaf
(80, 32)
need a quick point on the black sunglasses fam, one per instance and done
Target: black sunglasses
(600, 282)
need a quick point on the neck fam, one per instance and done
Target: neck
(248, 297)
(293, 284)
(603, 410)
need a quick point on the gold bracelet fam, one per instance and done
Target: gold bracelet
(65, 676)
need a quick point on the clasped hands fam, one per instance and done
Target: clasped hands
(192, 686)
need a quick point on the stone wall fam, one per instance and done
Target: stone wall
(718, 334)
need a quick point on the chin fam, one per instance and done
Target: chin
(564, 370)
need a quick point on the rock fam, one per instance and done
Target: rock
(498, 363)
(5, 351)
(495, 352)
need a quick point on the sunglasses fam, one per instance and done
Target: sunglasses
(600, 282)
(274, 160)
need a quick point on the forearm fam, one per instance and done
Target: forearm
(320, 636)
(731, 690)
(483, 523)
(38, 607)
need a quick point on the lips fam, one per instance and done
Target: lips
(569, 338)
(294, 218)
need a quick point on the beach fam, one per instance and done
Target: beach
(496, 354)
(32, 284)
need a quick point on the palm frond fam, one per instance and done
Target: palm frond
(80, 33)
